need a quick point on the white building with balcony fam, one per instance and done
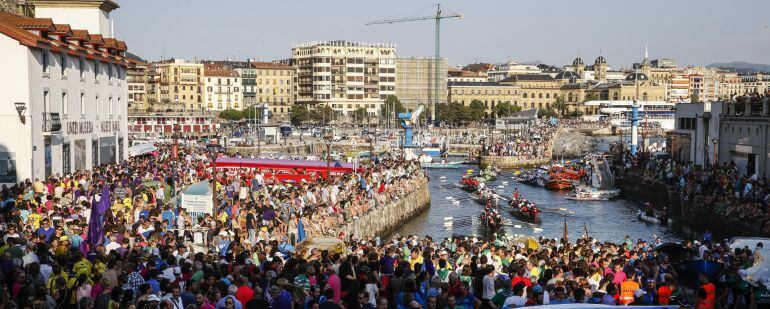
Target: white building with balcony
(63, 102)
(222, 89)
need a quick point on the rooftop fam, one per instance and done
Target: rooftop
(32, 32)
(528, 77)
(472, 84)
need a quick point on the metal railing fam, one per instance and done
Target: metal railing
(51, 122)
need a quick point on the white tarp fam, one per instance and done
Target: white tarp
(140, 149)
(197, 199)
(760, 272)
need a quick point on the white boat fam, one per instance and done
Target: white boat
(651, 219)
(619, 113)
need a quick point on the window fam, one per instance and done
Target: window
(82, 105)
(96, 106)
(63, 65)
(46, 102)
(120, 109)
(64, 104)
(44, 60)
(96, 71)
(109, 106)
(81, 66)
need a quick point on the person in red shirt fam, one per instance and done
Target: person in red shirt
(520, 278)
(244, 293)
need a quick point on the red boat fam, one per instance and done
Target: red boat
(565, 172)
(559, 184)
(469, 183)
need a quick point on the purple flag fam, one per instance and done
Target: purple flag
(95, 224)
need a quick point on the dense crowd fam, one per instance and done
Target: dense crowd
(736, 195)
(528, 144)
(117, 236)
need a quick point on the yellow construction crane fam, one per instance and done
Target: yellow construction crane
(437, 57)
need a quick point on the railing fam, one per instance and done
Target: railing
(51, 122)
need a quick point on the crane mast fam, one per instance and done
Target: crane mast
(437, 48)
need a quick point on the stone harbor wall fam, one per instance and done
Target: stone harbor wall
(511, 162)
(692, 218)
(386, 219)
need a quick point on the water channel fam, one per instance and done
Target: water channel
(605, 220)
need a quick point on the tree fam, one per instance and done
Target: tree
(575, 114)
(560, 106)
(362, 114)
(694, 98)
(547, 112)
(230, 114)
(391, 104)
(322, 113)
(298, 114)
(591, 96)
(505, 109)
(477, 110)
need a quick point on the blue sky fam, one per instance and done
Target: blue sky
(694, 32)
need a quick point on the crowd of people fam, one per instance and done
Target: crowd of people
(117, 236)
(528, 144)
(735, 195)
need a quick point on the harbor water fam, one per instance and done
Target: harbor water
(604, 220)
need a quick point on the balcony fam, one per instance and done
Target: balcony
(51, 122)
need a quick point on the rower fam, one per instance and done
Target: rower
(516, 193)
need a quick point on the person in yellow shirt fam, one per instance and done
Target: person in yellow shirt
(415, 258)
(82, 266)
(57, 272)
(34, 220)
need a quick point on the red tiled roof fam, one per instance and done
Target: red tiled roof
(23, 29)
(62, 29)
(219, 73)
(271, 65)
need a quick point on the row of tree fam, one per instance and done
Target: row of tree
(450, 113)
(235, 115)
(455, 113)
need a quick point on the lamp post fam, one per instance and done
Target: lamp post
(714, 141)
(328, 138)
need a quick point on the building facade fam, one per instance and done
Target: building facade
(222, 89)
(345, 75)
(275, 87)
(489, 93)
(149, 126)
(181, 85)
(744, 130)
(415, 81)
(65, 94)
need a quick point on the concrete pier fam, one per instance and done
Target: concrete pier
(385, 219)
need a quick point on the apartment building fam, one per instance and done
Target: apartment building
(222, 89)
(64, 91)
(416, 84)
(345, 75)
(181, 84)
(275, 86)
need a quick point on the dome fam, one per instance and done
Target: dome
(636, 76)
(577, 61)
(600, 60)
(567, 75)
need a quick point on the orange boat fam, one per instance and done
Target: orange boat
(558, 172)
(559, 184)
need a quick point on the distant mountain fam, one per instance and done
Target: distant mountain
(742, 67)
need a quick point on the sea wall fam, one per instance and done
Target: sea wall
(511, 162)
(693, 217)
(385, 219)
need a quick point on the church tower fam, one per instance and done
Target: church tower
(646, 62)
(600, 69)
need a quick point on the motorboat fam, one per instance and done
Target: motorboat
(559, 184)
(584, 193)
(449, 165)
(652, 219)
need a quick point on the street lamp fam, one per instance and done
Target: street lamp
(328, 139)
(20, 108)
